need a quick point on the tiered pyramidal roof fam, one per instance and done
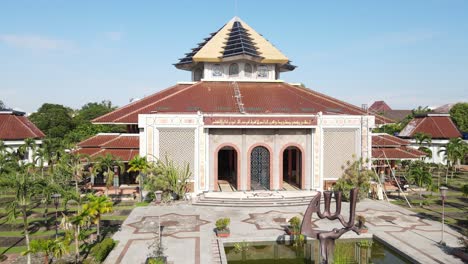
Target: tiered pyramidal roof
(235, 38)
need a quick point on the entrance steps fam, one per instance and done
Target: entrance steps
(255, 198)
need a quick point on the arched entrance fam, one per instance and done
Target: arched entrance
(227, 169)
(260, 169)
(292, 168)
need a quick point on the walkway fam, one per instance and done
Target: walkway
(188, 235)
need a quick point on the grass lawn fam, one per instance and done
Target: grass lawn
(456, 205)
(46, 225)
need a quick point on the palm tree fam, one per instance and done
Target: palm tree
(29, 146)
(454, 152)
(57, 248)
(26, 189)
(105, 164)
(74, 224)
(421, 177)
(140, 165)
(96, 207)
(423, 139)
(39, 157)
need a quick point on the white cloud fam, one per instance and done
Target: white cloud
(114, 35)
(35, 42)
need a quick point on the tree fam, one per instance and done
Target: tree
(26, 190)
(421, 177)
(423, 140)
(459, 115)
(171, 177)
(140, 165)
(96, 207)
(57, 248)
(53, 119)
(455, 151)
(73, 224)
(2, 105)
(93, 110)
(355, 175)
(421, 110)
(106, 164)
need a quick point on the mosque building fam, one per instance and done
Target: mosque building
(237, 124)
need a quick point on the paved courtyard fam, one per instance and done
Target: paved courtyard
(188, 237)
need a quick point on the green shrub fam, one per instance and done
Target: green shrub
(464, 190)
(295, 223)
(223, 223)
(102, 249)
(155, 261)
(355, 174)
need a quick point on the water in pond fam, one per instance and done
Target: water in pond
(346, 251)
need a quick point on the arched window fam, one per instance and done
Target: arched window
(198, 75)
(234, 69)
(248, 70)
(217, 70)
(262, 71)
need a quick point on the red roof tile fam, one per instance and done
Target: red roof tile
(439, 127)
(379, 106)
(14, 126)
(122, 146)
(123, 142)
(393, 154)
(97, 140)
(136, 106)
(218, 97)
(124, 155)
(87, 151)
(386, 140)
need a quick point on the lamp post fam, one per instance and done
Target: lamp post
(443, 195)
(56, 197)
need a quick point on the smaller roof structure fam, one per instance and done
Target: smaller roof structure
(388, 147)
(236, 39)
(122, 146)
(379, 106)
(14, 125)
(439, 126)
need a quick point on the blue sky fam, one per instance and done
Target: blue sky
(408, 53)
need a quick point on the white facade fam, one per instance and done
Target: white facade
(238, 70)
(185, 137)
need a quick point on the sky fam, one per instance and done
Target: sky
(409, 53)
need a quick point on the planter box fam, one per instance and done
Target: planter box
(223, 233)
(151, 259)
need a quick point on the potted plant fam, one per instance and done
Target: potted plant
(361, 224)
(294, 227)
(222, 227)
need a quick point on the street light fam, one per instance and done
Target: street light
(56, 197)
(443, 195)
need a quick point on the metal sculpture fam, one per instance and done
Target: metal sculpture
(327, 238)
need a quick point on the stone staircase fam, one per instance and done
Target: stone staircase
(255, 198)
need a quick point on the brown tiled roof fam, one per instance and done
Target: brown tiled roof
(386, 140)
(397, 115)
(393, 154)
(379, 106)
(124, 155)
(97, 140)
(385, 146)
(122, 146)
(218, 97)
(439, 127)
(123, 142)
(14, 126)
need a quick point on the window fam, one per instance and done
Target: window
(233, 69)
(248, 70)
(198, 75)
(262, 71)
(217, 70)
